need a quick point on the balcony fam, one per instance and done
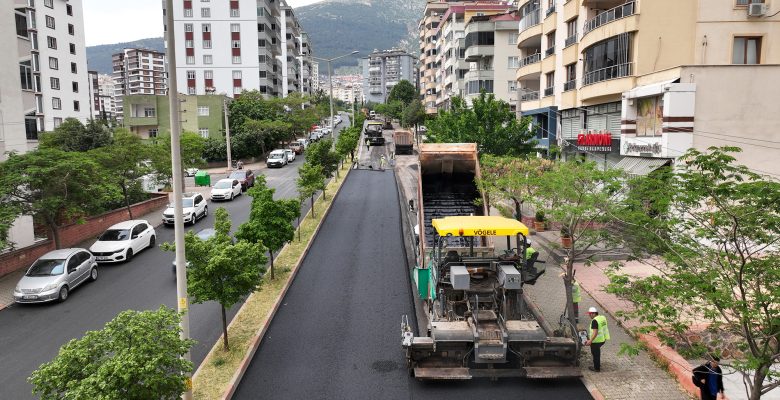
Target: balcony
(621, 11)
(475, 52)
(570, 40)
(529, 67)
(604, 74)
(570, 85)
(530, 20)
(482, 74)
(549, 91)
(549, 51)
(529, 96)
(549, 11)
(533, 58)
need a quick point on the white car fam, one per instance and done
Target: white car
(320, 133)
(326, 131)
(277, 158)
(123, 240)
(290, 155)
(195, 208)
(304, 142)
(190, 171)
(226, 189)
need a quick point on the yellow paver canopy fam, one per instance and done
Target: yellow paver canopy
(478, 226)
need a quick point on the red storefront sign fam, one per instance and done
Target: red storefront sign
(600, 141)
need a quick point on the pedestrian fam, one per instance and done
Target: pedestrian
(382, 162)
(708, 377)
(368, 144)
(598, 336)
(576, 296)
(240, 164)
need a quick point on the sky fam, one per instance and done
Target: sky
(114, 21)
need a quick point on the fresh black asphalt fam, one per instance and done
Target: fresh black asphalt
(32, 334)
(337, 334)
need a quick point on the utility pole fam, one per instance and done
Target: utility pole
(330, 78)
(227, 136)
(182, 298)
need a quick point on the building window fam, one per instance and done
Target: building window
(150, 112)
(73, 68)
(550, 44)
(56, 103)
(571, 32)
(207, 59)
(205, 12)
(21, 26)
(236, 90)
(203, 111)
(236, 44)
(188, 43)
(747, 50)
(571, 77)
(75, 87)
(72, 47)
(153, 132)
(76, 105)
(514, 62)
(191, 75)
(191, 90)
(747, 2)
(71, 29)
(51, 42)
(608, 59)
(69, 9)
(190, 60)
(513, 38)
(263, 74)
(204, 132)
(511, 86)
(207, 44)
(25, 71)
(188, 12)
(236, 59)
(55, 83)
(54, 63)
(50, 22)
(261, 43)
(550, 79)
(48, 3)
(234, 12)
(206, 27)
(208, 74)
(235, 27)
(236, 74)
(187, 27)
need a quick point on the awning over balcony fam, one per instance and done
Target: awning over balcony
(641, 166)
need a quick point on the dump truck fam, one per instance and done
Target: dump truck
(373, 132)
(404, 142)
(469, 277)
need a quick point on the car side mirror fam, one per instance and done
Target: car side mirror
(134, 237)
(71, 270)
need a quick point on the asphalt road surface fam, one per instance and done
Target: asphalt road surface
(337, 334)
(32, 334)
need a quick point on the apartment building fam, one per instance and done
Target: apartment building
(307, 65)
(635, 83)
(429, 64)
(148, 116)
(138, 71)
(382, 70)
(241, 45)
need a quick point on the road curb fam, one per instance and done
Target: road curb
(255, 343)
(594, 391)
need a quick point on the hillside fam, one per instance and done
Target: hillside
(99, 57)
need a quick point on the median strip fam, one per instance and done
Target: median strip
(221, 371)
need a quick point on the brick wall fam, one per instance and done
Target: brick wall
(73, 234)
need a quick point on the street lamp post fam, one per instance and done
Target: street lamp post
(330, 79)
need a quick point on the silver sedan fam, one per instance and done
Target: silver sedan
(54, 275)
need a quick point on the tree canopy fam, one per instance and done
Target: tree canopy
(72, 135)
(310, 180)
(404, 91)
(125, 162)
(321, 153)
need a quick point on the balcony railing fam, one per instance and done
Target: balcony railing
(531, 19)
(549, 11)
(570, 85)
(549, 91)
(529, 96)
(621, 11)
(603, 74)
(532, 59)
(570, 40)
(549, 51)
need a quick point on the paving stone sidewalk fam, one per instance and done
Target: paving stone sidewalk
(621, 376)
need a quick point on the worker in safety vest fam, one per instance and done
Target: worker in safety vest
(576, 296)
(599, 334)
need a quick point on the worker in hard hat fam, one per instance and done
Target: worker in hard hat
(599, 334)
(576, 296)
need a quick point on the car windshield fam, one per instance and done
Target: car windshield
(47, 267)
(274, 156)
(115, 235)
(186, 203)
(238, 175)
(223, 185)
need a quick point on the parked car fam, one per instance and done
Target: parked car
(203, 234)
(123, 240)
(313, 137)
(320, 133)
(296, 147)
(304, 143)
(326, 131)
(54, 275)
(195, 208)
(226, 189)
(277, 158)
(190, 171)
(245, 176)
(290, 155)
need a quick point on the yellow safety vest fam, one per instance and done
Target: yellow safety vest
(576, 294)
(603, 334)
(529, 251)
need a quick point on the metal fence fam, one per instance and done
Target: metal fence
(621, 11)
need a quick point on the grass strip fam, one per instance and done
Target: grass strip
(218, 368)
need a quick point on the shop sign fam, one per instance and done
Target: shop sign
(644, 146)
(595, 141)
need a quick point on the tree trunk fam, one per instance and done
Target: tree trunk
(225, 345)
(312, 206)
(518, 210)
(299, 227)
(567, 281)
(758, 382)
(127, 200)
(323, 193)
(55, 232)
(272, 263)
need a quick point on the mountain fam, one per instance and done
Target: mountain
(338, 27)
(99, 57)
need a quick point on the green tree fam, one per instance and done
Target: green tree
(124, 163)
(347, 142)
(583, 200)
(310, 180)
(413, 114)
(321, 153)
(257, 136)
(136, 356)
(716, 227)
(215, 149)
(391, 109)
(192, 148)
(404, 92)
(53, 185)
(488, 122)
(252, 105)
(300, 116)
(72, 135)
(511, 178)
(221, 269)
(270, 221)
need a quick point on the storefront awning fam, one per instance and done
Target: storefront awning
(641, 166)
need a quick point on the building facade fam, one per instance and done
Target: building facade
(635, 83)
(138, 71)
(241, 45)
(148, 116)
(382, 70)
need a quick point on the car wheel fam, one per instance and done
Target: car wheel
(129, 255)
(205, 211)
(152, 241)
(63, 294)
(93, 275)
(232, 195)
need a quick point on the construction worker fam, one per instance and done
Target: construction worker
(382, 161)
(599, 334)
(368, 144)
(529, 251)
(576, 296)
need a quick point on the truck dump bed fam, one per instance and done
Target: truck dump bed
(404, 143)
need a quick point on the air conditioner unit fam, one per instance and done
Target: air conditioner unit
(757, 9)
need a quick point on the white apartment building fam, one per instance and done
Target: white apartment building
(382, 70)
(102, 98)
(241, 45)
(138, 71)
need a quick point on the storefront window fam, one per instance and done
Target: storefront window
(649, 116)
